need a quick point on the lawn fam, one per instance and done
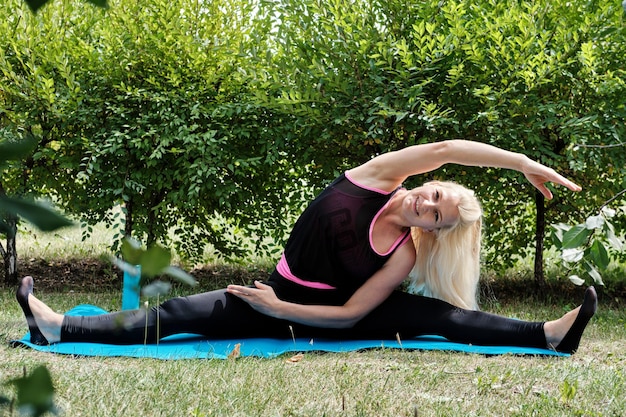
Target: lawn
(380, 382)
(370, 383)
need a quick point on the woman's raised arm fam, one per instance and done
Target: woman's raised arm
(389, 170)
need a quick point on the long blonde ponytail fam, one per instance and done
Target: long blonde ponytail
(447, 266)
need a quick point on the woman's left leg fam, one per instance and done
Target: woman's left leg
(409, 315)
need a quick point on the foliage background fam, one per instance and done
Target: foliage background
(207, 121)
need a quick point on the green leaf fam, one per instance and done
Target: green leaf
(39, 215)
(599, 254)
(155, 289)
(154, 261)
(594, 222)
(572, 254)
(593, 273)
(180, 275)
(12, 151)
(576, 280)
(131, 251)
(576, 236)
(35, 392)
(568, 390)
(558, 231)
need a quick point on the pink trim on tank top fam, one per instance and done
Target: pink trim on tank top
(365, 187)
(401, 240)
(284, 270)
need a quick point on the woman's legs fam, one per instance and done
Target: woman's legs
(409, 315)
(565, 333)
(220, 315)
(47, 328)
(214, 314)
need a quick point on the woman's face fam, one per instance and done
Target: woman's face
(432, 207)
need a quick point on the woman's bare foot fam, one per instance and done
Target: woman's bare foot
(43, 323)
(564, 334)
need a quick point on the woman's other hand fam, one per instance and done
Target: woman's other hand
(261, 297)
(538, 175)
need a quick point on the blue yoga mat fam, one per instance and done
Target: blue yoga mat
(191, 346)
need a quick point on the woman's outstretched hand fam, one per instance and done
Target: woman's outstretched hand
(262, 298)
(538, 175)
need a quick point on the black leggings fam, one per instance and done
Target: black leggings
(217, 314)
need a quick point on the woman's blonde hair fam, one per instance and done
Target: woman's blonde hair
(447, 266)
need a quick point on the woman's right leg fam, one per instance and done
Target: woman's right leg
(214, 314)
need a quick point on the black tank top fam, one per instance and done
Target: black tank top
(330, 244)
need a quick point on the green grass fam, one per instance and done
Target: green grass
(380, 382)
(370, 383)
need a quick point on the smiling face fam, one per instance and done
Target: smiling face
(432, 207)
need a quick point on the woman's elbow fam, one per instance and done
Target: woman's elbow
(350, 321)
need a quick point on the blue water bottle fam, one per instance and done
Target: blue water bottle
(131, 289)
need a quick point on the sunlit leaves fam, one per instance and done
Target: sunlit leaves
(154, 109)
(594, 222)
(576, 280)
(575, 236)
(586, 246)
(37, 213)
(225, 118)
(572, 254)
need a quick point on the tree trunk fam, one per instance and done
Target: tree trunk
(540, 231)
(9, 255)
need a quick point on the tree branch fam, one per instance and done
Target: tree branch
(609, 201)
(615, 145)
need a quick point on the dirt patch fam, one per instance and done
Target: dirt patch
(93, 275)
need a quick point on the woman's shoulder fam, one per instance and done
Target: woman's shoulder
(366, 177)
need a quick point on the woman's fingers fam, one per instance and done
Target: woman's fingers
(261, 286)
(539, 175)
(247, 291)
(239, 290)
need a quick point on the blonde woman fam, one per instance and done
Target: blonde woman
(348, 253)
